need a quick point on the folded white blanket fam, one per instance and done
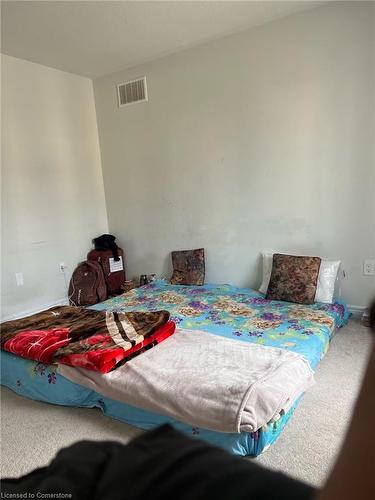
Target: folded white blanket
(206, 380)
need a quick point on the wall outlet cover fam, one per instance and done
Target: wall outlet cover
(62, 266)
(369, 267)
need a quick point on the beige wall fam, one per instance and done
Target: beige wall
(52, 189)
(262, 140)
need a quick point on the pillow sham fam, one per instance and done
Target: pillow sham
(293, 278)
(188, 267)
(326, 278)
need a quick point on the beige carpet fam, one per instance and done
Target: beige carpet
(32, 432)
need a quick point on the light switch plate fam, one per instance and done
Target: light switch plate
(19, 279)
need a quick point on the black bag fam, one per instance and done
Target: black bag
(107, 242)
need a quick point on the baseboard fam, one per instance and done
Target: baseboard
(356, 311)
(29, 312)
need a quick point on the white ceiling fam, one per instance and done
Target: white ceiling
(96, 38)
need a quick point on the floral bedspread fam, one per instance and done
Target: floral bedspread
(239, 313)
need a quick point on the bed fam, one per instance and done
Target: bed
(236, 313)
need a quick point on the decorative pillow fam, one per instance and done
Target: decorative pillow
(326, 279)
(294, 278)
(188, 267)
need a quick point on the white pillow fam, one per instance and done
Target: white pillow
(326, 278)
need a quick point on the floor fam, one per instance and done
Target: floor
(32, 432)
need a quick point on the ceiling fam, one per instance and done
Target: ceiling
(95, 38)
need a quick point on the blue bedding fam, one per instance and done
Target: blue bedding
(236, 313)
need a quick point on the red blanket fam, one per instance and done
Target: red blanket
(96, 340)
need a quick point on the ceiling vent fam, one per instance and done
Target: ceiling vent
(132, 92)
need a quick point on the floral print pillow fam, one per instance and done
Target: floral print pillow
(294, 278)
(188, 267)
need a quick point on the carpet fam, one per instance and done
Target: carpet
(306, 449)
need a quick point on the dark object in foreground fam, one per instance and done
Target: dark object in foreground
(159, 464)
(372, 316)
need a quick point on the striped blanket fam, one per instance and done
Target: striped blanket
(95, 340)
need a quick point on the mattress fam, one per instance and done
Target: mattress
(236, 313)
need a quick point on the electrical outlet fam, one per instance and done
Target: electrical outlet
(369, 267)
(62, 267)
(19, 279)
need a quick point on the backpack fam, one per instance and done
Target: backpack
(113, 269)
(87, 285)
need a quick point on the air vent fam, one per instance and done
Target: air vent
(132, 92)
